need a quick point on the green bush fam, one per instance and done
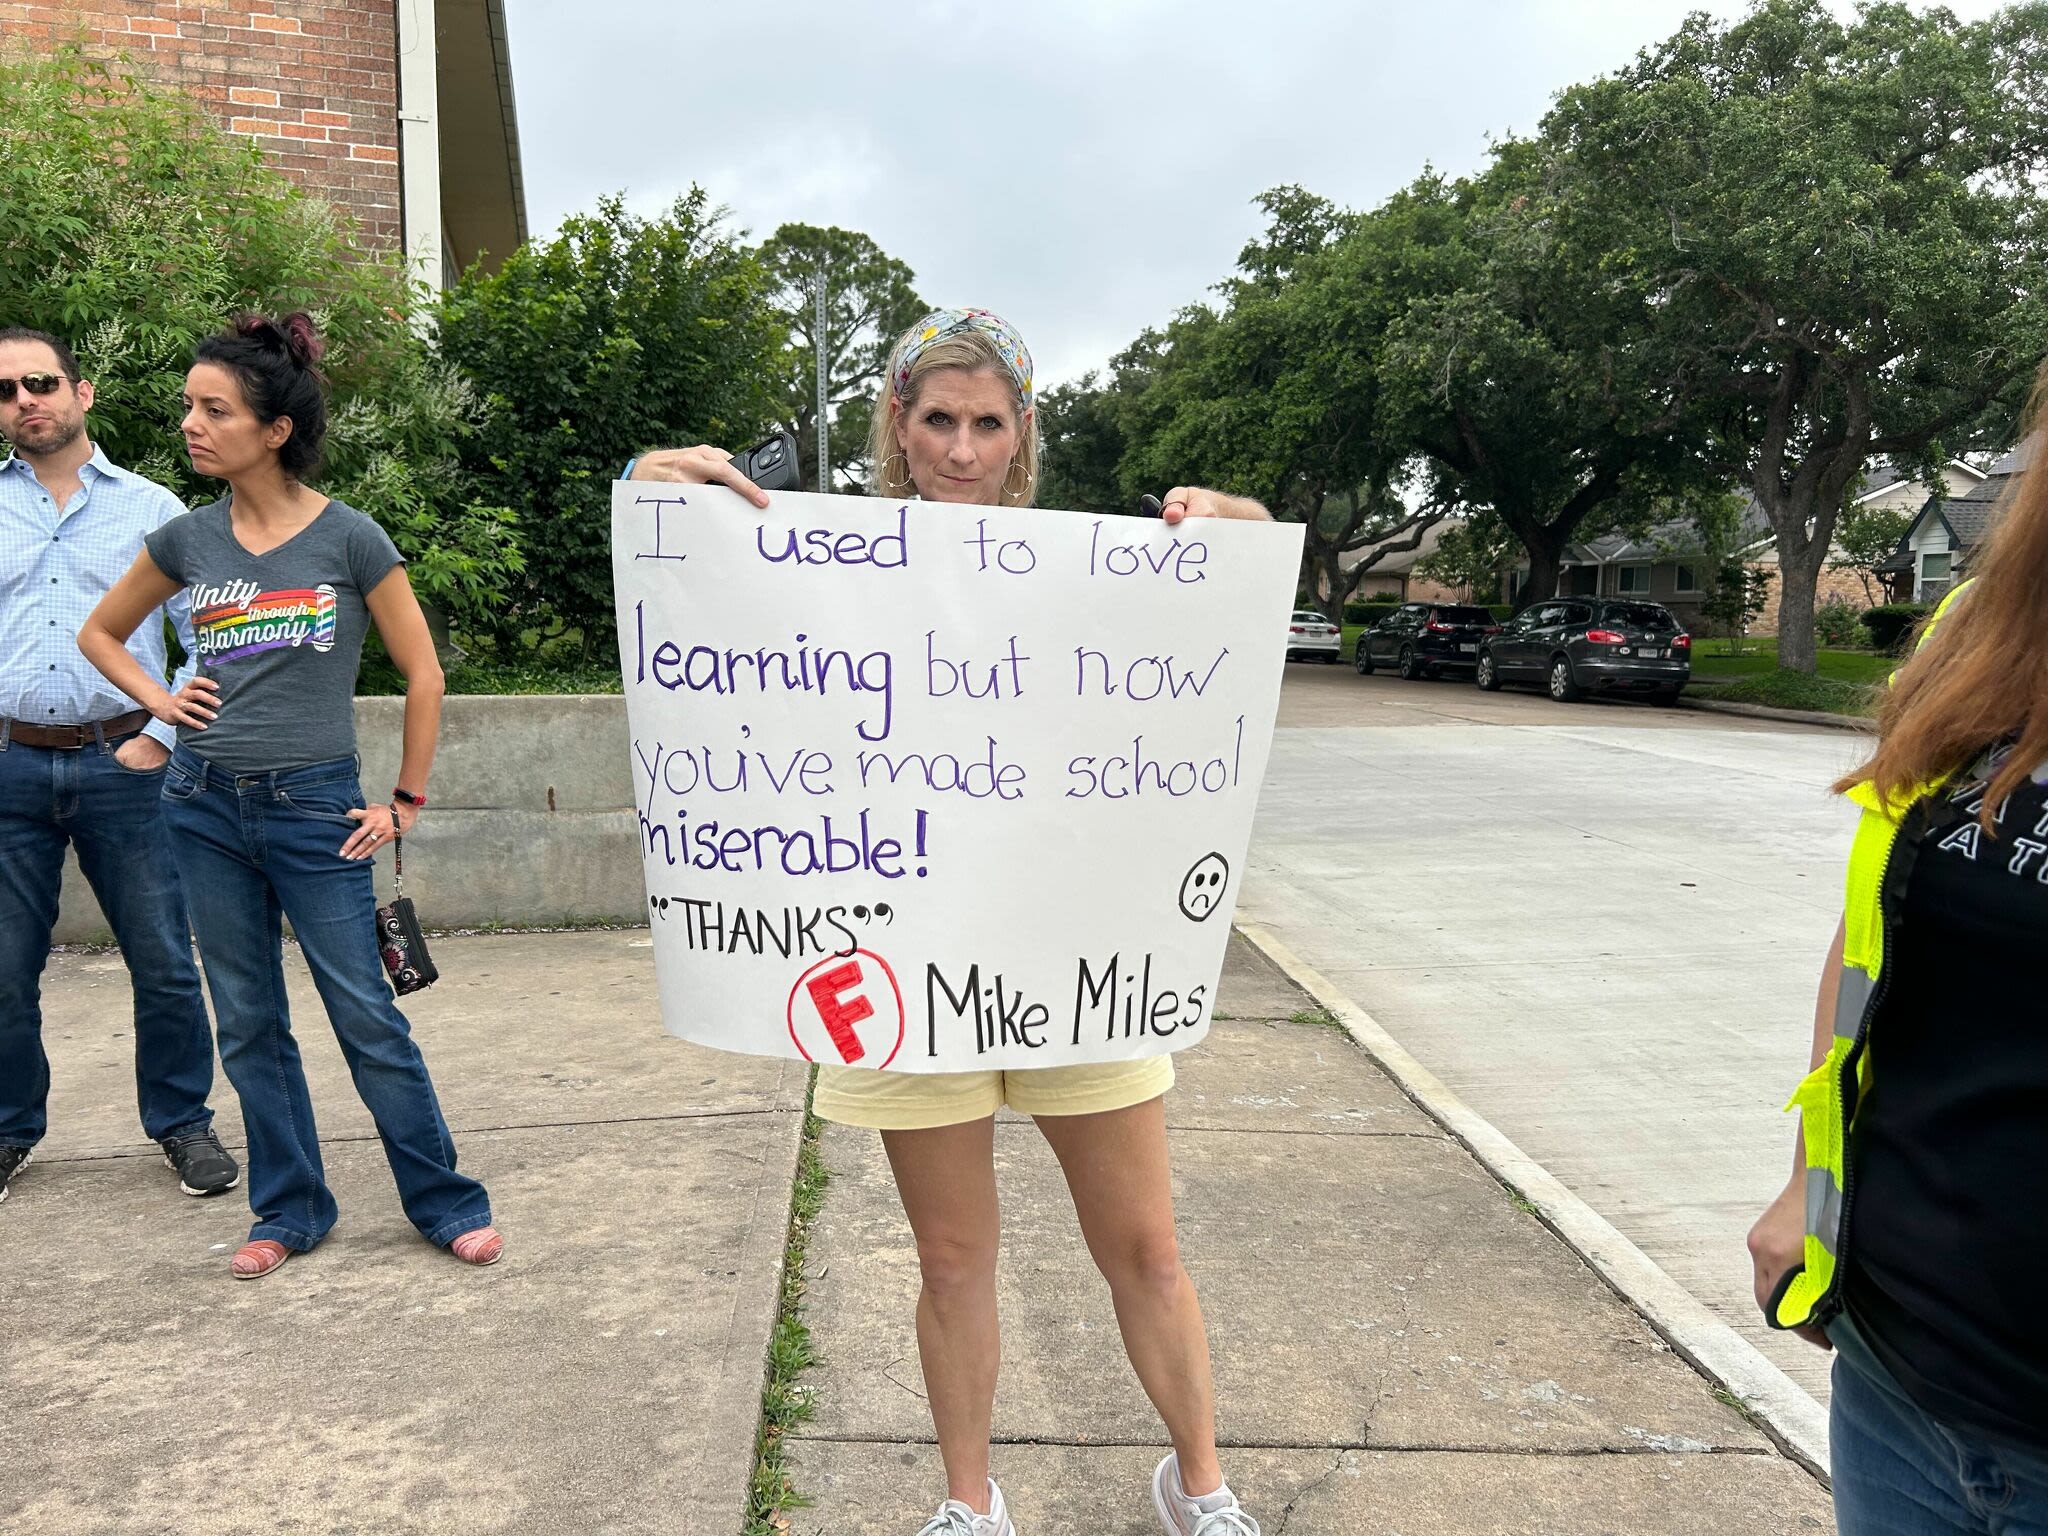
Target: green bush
(1501, 612)
(619, 335)
(1837, 624)
(131, 225)
(1890, 623)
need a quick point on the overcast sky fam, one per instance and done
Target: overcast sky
(1084, 168)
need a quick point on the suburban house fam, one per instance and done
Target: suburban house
(1935, 552)
(1956, 509)
(1663, 566)
(1888, 490)
(1393, 580)
(398, 112)
(1614, 566)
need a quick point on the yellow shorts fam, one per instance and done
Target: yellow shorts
(921, 1101)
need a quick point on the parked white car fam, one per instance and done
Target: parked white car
(1311, 637)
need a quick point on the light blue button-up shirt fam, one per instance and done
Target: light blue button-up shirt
(56, 563)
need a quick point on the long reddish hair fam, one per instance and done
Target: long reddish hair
(1982, 674)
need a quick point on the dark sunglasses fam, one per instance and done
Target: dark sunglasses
(34, 383)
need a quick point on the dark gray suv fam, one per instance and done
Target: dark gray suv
(1580, 645)
(1425, 639)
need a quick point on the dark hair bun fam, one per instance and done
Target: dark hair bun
(305, 343)
(294, 335)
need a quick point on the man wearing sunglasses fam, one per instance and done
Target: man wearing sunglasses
(82, 765)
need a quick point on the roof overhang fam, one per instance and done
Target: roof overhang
(483, 192)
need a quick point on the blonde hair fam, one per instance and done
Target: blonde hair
(972, 352)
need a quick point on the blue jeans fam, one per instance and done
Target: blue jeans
(255, 849)
(111, 815)
(1897, 1472)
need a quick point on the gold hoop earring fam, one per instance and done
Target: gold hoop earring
(889, 476)
(1030, 480)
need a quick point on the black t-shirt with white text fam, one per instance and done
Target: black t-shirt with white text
(1947, 1267)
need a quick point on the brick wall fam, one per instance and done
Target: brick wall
(1843, 585)
(314, 81)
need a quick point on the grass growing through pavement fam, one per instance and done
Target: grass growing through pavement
(1318, 1016)
(1741, 1405)
(785, 1402)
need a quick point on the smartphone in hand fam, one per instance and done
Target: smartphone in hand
(772, 465)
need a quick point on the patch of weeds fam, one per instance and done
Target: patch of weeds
(1741, 1406)
(568, 925)
(785, 1399)
(1319, 1016)
(1522, 1202)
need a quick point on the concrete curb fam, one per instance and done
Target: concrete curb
(1861, 723)
(1784, 1410)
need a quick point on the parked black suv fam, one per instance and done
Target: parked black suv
(1425, 639)
(1580, 645)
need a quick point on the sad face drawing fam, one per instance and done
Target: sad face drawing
(1201, 888)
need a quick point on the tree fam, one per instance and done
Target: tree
(1471, 554)
(1865, 538)
(1716, 531)
(1521, 363)
(132, 225)
(1276, 394)
(870, 300)
(1082, 447)
(618, 335)
(1842, 224)
(1738, 592)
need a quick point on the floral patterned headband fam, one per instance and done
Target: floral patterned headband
(942, 323)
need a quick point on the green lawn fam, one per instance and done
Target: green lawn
(1711, 663)
(1795, 690)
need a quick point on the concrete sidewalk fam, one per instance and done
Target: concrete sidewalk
(605, 1376)
(1398, 1346)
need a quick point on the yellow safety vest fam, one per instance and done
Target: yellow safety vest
(1827, 1099)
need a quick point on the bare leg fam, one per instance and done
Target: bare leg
(946, 1178)
(1116, 1168)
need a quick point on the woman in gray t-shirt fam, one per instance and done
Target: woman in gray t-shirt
(267, 819)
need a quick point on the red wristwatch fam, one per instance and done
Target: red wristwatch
(417, 802)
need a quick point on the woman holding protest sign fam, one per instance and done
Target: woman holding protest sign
(956, 423)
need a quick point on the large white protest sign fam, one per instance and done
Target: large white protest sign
(938, 788)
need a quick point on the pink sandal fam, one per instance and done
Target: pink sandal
(256, 1259)
(480, 1247)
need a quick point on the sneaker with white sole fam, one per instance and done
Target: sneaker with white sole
(12, 1161)
(956, 1519)
(1213, 1514)
(202, 1164)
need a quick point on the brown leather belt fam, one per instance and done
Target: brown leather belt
(71, 738)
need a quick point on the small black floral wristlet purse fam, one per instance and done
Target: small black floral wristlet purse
(399, 939)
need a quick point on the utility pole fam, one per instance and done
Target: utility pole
(818, 348)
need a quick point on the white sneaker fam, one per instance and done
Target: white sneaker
(956, 1519)
(1213, 1514)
